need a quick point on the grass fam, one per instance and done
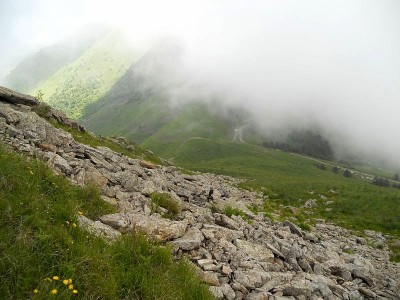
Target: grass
(165, 201)
(39, 239)
(132, 118)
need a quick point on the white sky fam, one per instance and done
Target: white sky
(333, 62)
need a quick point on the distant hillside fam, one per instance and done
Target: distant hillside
(85, 80)
(136, 105)
(44, 63)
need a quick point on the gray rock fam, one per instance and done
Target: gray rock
(297, 289)
(156, 227)
(211, 278)
(258, 252)
(190, 240)
(14, 97)
(97, 228)
(252, 279)
(225, 221)
(216, 292)
(228, 292)
(255, 295)
(293, 228)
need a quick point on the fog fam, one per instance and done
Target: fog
(331, 65)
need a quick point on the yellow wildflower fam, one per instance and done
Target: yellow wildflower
(75, 291)
(56, 277)
(70, 280)
(80, 213)
(71, 286)
(54, 291)
(65, 281)
(35, 291)
(73, 225)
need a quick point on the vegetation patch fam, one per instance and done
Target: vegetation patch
(233, 211)
(43, 251)
(165, 201)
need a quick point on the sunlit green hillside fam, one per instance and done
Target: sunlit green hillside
(47, 61)
(88, 78)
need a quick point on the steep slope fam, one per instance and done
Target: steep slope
(236, 249)
(47, 61)
(137, 104)
(88, 78)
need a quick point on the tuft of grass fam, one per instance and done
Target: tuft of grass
(164, 200)
(348, 251)
(39, 239)
(304, 226)
(233, 211)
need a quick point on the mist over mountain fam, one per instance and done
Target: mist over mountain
(44, 63)
(331, 68)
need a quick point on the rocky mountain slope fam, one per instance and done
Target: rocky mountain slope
(247, 256)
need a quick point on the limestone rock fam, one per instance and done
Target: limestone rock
(211, 278)
(98, 228)
(258, 252)
(190, 240)
(216, 292)
(161, 229)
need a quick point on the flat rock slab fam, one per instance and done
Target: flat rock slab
(258, 252)
(191, 240)
(154, 226)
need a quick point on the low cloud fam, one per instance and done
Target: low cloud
(333, 65)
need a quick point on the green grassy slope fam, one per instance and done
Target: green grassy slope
(47, 61)
(134, 120)
(195, 120)
(41, 246)
(88, 78)
(290, 180)
(136, 106)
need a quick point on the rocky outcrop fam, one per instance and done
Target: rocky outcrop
(10, 96)
(240, 258)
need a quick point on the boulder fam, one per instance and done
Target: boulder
(190, 240)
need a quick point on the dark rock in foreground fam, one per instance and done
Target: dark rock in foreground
(10, 96)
